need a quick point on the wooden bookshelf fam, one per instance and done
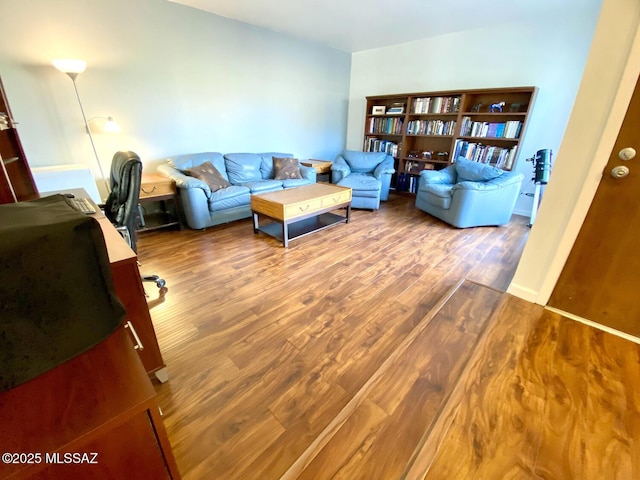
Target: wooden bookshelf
(16, 180)
(429, 130)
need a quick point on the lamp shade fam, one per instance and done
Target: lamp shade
(111, 126)
(70, 66)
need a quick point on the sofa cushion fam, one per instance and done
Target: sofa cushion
(286, 168)
(243, 167)
(469, 171)
(230, 197)
(437, 194)
(209, 175)
(295, 182)
(362, 185)
(264, 186)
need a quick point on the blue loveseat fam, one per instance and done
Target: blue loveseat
(246, 172)
(469, 194)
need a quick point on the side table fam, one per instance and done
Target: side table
(323, 168)
(160, 190)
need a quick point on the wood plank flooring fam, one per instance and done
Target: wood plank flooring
(380, 349)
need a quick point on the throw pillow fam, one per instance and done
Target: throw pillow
(286, 168)
(209, 175)
(470, 171)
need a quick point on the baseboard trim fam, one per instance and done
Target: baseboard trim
(599, 326)
(524, 293)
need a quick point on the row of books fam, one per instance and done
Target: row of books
(509, 129)
(416, 166)
(392, 126)
(407, 183)
(436, 105)
(373, 144)
(489, 154)
(431, 127)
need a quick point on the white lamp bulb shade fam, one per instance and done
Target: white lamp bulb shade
(111, 126)
(70, 66)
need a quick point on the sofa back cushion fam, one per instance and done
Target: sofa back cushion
(189, 161)
(470, 171)
(243, 167)
(363, 162)
(266, 168)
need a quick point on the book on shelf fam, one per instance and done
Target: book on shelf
(386, 125)
(431, 127)
(500, 157)
(436, 105)
(374, 144)
(406, 182)
(510, 129)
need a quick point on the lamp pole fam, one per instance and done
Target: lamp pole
(73, 68)
(86, 126)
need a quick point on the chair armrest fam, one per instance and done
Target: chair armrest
(384, 168)
(446, 176)
(182, 180)
(339, 169)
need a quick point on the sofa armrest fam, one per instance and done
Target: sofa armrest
(182, 180)
(384, 168)
(339, 169)
(308, 172)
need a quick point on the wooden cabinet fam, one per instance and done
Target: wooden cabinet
(94, 416)
(128, 287)
(429, 130)
(16, 181)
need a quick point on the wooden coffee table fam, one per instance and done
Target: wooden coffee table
(296, 212)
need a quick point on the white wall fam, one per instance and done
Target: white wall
(549, 53)
(607, 85)
(176, 79)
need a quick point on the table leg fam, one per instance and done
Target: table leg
(285, 234)
(255, 222)
(348, 213)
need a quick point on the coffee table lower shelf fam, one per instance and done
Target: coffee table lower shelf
(285, 231)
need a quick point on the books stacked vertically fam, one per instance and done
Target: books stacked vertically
(431, 127)
(509, 129)
(390, 126)
(373, 144)
(436, 105)
(407, 183)
(496, 156)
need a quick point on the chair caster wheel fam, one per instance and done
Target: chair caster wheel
(160, 282)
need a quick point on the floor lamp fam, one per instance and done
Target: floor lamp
(73, 68)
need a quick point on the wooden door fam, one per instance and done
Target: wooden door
(601, 279)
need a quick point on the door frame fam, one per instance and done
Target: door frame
(552, 250)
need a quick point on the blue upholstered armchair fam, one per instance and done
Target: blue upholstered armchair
(368, 174)
(469, 194)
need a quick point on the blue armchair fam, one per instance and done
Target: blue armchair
(469, 194)
(368, 174)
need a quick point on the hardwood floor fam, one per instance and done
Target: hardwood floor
(381, 349)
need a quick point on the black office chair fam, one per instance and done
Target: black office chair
(121, 206)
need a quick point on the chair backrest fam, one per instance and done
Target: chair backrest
(363, 162)
(121, 206)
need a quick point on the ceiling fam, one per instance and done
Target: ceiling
(356, 25)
